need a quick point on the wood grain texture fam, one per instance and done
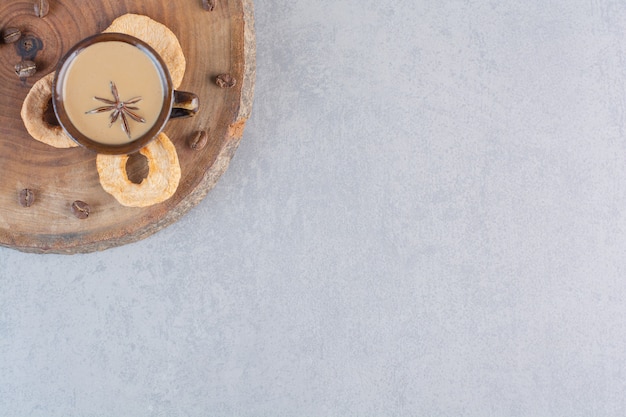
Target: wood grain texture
(216, 42)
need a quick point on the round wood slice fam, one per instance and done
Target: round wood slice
(215, 42)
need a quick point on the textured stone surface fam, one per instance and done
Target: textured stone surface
(425, 217)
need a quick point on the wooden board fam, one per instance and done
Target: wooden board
(214, 42)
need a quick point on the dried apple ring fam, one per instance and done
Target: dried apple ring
(159, 37)
(160, 184)
(34, 111)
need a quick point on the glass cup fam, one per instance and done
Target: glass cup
(113, 94)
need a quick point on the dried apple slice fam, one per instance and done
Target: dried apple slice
(34, 111)
(160, 184)
(159, 37)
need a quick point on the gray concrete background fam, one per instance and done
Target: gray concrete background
(426, 217)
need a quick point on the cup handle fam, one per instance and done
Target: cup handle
(185, 105)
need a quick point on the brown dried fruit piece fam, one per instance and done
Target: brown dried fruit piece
(33, 114)
(160, 184)
(159, 37)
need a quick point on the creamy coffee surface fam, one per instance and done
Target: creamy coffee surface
(113, 92)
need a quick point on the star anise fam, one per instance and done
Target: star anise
(119, 109)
